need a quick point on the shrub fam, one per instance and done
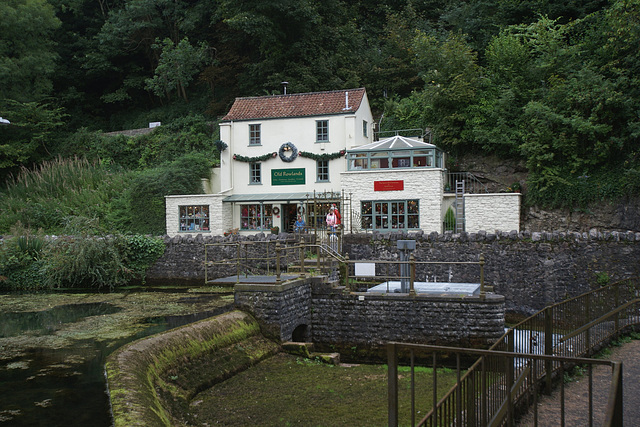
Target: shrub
(449, 220)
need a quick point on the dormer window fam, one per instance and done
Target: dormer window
(322, 131)
(254, 135)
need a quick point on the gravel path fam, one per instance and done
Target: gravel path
(576, 394)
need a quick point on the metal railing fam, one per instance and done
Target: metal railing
(534, 353)
(472, 184)
(494, 390)
(391, 270)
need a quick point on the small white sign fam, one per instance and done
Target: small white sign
(154, 124)
(367, 269)
(361, 298)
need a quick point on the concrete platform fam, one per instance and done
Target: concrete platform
(232, 280)
(430, 288)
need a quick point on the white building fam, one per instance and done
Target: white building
(285, 150)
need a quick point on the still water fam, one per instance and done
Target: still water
(51, 384)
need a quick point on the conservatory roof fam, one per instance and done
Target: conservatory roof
(394, 143)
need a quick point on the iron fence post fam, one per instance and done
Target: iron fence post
(278, 249)
(392, 385)
(302, 273)
(481, 262)
(346, 271)
(238, 263)
(412, 267)
(548, 347)
(588, 320)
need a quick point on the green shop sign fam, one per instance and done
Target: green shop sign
(287, 176)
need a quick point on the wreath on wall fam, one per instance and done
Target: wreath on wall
(288, 152)
(276, 210)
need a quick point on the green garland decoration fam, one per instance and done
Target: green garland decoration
(306, 154)
(256, 159)
(325, 156)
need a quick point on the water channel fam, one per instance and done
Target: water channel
(53, 347)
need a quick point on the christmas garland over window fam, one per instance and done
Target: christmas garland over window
(256, 159)
(325, 156)
(306, 154)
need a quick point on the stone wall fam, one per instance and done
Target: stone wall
(424, 184)
(370, 320)
(531, 270)
(280, 308)
(183, 261)
(492, 211)
(342, 320)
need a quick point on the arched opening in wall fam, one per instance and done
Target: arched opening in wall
(301, 334)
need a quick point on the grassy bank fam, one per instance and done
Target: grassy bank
(286, 390)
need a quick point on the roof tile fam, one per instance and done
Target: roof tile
(296, 105)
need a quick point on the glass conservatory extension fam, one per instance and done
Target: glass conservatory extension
(397, 152)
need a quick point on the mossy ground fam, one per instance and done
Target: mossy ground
(286, 390)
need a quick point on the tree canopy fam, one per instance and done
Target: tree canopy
(553, 83)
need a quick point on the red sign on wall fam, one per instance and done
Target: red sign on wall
(388, 185)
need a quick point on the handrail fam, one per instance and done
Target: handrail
(562, 331)
(474, 184)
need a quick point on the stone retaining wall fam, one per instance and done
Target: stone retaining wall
(279, 308)
(531, 270)
(152, 381)
(371, 320)
(343, 320)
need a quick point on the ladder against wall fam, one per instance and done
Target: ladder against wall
(459, 206)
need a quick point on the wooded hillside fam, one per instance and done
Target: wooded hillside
(552, 83)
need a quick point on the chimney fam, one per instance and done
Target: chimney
(284, 87)
(346, 101)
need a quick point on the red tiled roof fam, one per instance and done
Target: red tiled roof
(295, 105)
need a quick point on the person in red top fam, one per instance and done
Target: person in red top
(336, 212)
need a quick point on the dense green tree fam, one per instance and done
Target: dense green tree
(451, 78)
(26, 140)
(27, 55)
(177, 65)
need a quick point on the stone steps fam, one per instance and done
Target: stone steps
(305, 349)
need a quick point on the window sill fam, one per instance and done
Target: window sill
(255, 183)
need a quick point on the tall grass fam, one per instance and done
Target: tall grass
(43, 197)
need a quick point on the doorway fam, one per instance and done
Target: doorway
(289, 216)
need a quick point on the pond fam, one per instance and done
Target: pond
(53, 347)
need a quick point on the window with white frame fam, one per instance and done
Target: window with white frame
(194, 218)
(389, 215)
(255, 173)
(322, 167)
(365, 129)
(322, 130)
(256, 217)
(254, 134)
